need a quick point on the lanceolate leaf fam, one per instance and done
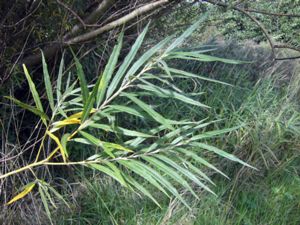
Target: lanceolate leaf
(221, 153)
(120, 130)
(109, 69)
(117, 176)
(32, 87)
(26, 190)
(126, 63)
(48, 84)
(171, 94)
(64, 154)
(145, 57)
(187, 74)
(59, 78)
(82, 81)
(155, 115)
(45, 203)
(170, 172)
(29, 108)
(186, 33)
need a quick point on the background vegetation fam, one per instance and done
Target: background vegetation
(256, 118)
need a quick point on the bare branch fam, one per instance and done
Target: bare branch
(261, 26)
(92, 18)
(140, 11)
(72, 11)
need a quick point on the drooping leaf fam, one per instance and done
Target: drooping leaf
(45, 203)
(155, 115)
(30, 108)
(26, 190)
(64, 154)
(221, 153)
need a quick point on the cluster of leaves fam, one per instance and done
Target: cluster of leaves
(164, 156)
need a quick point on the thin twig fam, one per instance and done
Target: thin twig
(73, 12)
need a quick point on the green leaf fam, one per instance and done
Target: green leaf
(155, 115)
(59, 79)
(30, 108)
(64, 141)
(142, 189)
(200, 160)
(127, 61)
(90, 102)
(188, 75)
(139, 169)
(82, 80)
(171, 94)
(45, 203)
(202, 57)
(120, 130)
(48, 84)
(210, 134)
(126, 109)
(184, 171)
(117, 176)
(170, 172)
(221, 153)
(186, 33)
(145, 57)
(106, 146)
(109, 69)
(34, 93)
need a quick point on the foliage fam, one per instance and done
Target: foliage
(165, 151)
(269, 108)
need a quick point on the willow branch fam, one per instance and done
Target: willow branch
(123, 20)
(92, 18)
(72, 11)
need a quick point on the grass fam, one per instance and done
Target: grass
(269, 140)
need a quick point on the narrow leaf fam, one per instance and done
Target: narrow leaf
(127, 61)
(48, 84)
(26, 189)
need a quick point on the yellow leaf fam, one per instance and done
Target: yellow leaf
(64, 153)
(79, 114)
(28, 188)
(66, 122)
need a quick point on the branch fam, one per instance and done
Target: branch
(92, 18)
(74, 13)
(286, 46)
(242, 10)
(52, 49)
(92, 34)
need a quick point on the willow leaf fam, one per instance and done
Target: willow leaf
(26, 190)
(155, 115)
(109, 69)
(47, 81)
(30, 108)
(126, 63)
